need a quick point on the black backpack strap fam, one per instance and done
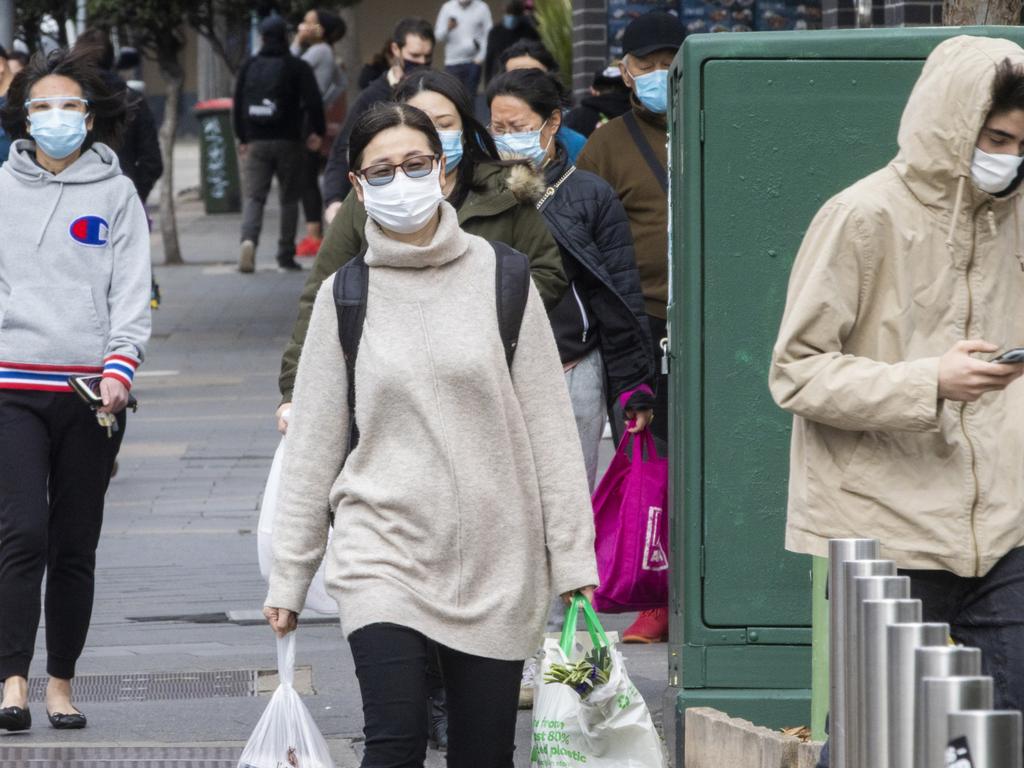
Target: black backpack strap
(646, 150)
(512, 286)
(351, 284)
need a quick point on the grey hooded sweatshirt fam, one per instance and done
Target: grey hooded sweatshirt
(74, 271)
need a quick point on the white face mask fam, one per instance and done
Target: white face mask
(994, 173)
(404, 205)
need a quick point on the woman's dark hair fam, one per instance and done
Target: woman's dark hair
(382, 116)
(534, 50)
(109, 109)
(334, 26)
(542, 92)
(98, 41)
(1007, 88)
(477, 144)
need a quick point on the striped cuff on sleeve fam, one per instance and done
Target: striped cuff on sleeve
(120, 367)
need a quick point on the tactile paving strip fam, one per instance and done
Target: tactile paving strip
(119, 756)
(156, 686)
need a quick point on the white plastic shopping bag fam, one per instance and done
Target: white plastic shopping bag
(286, 736)
(608, 727)
(317, 598)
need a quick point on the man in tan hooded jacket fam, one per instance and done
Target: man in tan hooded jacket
(907, 285)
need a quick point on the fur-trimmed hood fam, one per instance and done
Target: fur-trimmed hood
(525, 182)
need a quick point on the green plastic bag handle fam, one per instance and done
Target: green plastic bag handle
(597, 635)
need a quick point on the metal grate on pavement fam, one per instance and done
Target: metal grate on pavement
(120, 757)
(157, 686)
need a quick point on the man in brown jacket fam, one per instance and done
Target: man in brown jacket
(907, 285)
(631, 153)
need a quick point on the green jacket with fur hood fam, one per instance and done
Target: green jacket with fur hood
(501, 208)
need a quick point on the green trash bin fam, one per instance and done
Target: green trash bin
(218, 159)
(768, 126)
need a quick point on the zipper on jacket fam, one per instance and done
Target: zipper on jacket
(583, 313)
(963, 416)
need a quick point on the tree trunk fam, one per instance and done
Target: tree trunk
(958, 13)
(174, 78)
(351, 56)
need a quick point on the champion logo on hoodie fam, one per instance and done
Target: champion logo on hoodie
(90, 230)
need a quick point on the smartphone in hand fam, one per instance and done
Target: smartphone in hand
(1013, 356)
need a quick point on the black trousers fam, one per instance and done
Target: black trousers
(986, 613)
(391, 663)
(55, 465)
(312, 200)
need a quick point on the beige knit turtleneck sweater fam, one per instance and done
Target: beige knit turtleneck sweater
(464, 507)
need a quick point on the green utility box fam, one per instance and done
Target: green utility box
(767, 127)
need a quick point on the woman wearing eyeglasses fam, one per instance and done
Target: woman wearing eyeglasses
(74, 299)
(478, 186)
(464, 505)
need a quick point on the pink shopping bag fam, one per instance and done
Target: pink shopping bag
(631, 523)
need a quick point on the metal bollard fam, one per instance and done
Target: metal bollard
(939, 697)
(947, 661)
(991, 739)
(841, 551)
(875, 618)
(862, 588)
(904, 640)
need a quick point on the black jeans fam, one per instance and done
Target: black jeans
(986, 613)
(55, 464)
(468, 74)
(391, 663)
(312, 200)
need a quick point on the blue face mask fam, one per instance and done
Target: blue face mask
(652, 90)
(510, 21)
(525, 144)
(58, 132)
(451, 145)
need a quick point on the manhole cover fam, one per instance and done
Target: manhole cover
(157, 686)
(121, 757)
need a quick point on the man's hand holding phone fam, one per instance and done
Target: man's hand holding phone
(965, 378)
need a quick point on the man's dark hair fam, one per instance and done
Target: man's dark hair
(411, 26)
(1007, 88)
(382, 116)
(477, 144)
(534, 50)
(109, 109)
(20, 56)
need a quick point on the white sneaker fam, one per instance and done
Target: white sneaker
(247, 257)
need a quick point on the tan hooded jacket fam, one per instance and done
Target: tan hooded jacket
(892, 272)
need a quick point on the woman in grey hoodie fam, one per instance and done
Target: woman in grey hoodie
(464, 506)
(74, 300)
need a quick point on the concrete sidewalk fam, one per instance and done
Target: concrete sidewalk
(164, 668)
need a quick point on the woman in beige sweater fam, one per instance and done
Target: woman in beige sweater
(464, 505)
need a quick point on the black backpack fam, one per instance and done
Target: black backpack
(512, 286)
(264, 89)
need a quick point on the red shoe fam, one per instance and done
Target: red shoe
(308, 246)
(650, 627)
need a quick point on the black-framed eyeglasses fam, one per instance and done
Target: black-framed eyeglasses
(384, 173)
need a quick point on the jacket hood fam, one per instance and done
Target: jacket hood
(97, 163)
(946, 111)
(526, 183)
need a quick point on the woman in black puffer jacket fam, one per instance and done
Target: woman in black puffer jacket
(600, 323)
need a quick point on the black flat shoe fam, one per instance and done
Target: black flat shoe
(15, 719)
(71, 722)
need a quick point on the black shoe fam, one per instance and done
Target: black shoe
(15, 719)
(437, 720)
(71, 722)
(288, 264)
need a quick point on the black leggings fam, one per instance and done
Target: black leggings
(483, 694)
(55, 464)
(312, 200)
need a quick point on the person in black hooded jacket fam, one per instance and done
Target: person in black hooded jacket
(600, 324)
(609, 98)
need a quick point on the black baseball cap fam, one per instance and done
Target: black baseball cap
(654, 31)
